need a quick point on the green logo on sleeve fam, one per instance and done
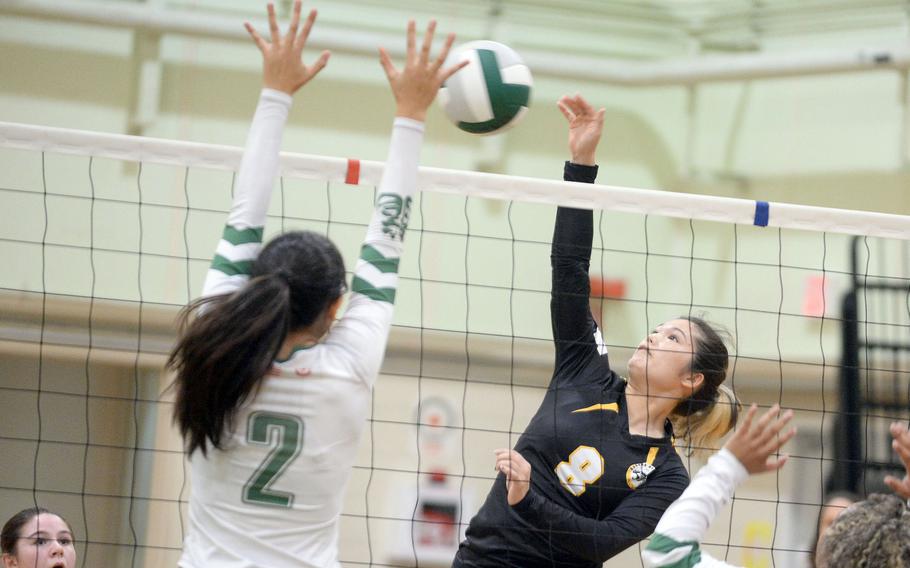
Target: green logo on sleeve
(395, 211)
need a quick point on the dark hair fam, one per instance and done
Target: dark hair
(829, 498)
(874, 532)
(9, 535)
(228, 343)
(703, 417)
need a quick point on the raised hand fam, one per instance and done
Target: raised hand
(754, 444)
(415, 86)
(585, 128)
(901, 445)
(282, 66)
(517, 471)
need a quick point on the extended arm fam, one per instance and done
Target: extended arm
(283, 74)
(570, 257)
(364, 329)
(678, 536)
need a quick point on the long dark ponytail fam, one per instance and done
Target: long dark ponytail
(227, 343)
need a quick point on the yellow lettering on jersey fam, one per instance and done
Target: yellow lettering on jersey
(612, 407)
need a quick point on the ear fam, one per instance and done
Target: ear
(332, 310)
(693, 382)
(9, 561)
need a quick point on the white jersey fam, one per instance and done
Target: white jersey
(273, 496)
(676, 539)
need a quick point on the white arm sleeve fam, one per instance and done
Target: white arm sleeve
(242, 237)
(683, 526)
(364, 328)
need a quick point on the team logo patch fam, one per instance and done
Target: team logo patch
(395, 212)
(637, 474)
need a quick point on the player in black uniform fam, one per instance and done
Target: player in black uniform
(600, 447)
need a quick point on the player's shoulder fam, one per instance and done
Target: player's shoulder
(671, 471)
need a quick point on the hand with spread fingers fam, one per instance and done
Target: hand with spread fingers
(585, 128)
(517, 471)
(754, 443)
(282, 66)
(901, 445)
(415, 86)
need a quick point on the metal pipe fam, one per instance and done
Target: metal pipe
(570, 66)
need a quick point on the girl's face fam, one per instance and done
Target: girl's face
(662, 363)
(44, 542)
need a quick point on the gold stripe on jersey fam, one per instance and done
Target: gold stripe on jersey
(652, 453)
(612, 407)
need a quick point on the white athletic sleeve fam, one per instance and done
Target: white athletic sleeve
(364, 329)
(676, 539)
(242, 237)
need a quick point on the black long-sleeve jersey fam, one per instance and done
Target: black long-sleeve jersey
(595, 489)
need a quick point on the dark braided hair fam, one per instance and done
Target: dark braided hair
(874, 533)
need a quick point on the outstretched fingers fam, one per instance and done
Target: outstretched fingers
(412, 41)
(301, 40)
(273, 25)
(257, 39)
(564, 108)
(444, 54)
(387, 64)
(320, 63)
(901, 445)
(455, 68)
(295, 22)
(901, 442)
(577, 107)
(427, 43)
(771, 440)
(774, 464)
(583, 106)
(746, 424)
(762, 432)
(900, 487)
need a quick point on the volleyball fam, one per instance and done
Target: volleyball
(492, 93)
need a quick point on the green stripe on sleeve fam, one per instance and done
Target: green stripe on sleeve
(242, 236)
(361, 286)
(382, 263)
(224, 265)
(664, 544)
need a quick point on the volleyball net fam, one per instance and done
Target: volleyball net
(105, 237)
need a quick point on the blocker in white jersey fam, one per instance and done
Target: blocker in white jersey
(272, 392)
(752, 449)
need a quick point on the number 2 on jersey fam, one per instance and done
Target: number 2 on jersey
(585, 466)
(284, 433)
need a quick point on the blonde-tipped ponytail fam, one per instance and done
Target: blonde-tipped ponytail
(703, 418)
(702, 430)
